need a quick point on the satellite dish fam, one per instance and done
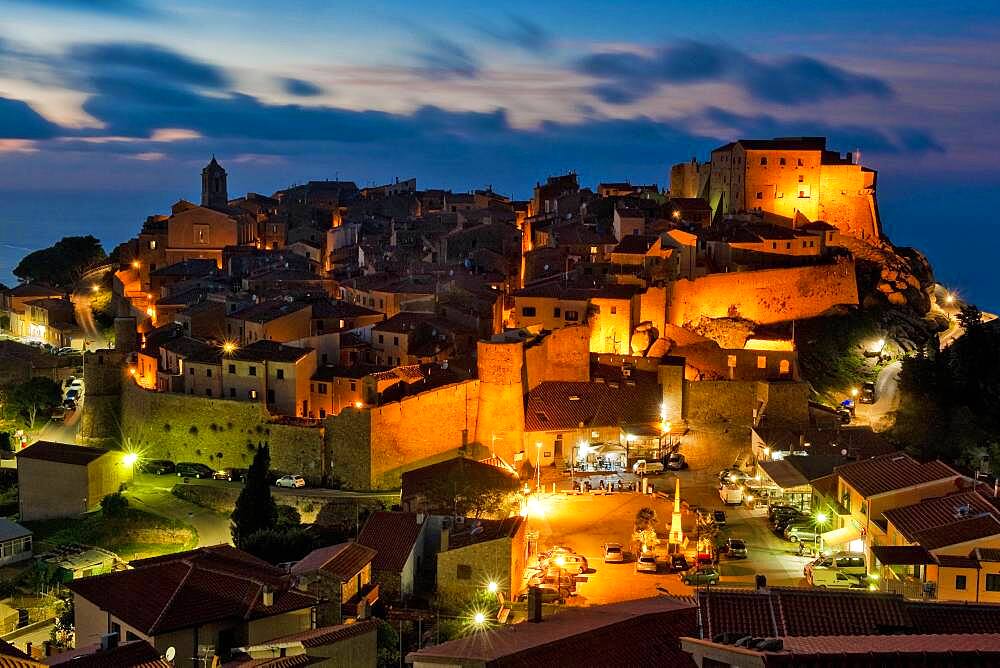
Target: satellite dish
(170, 654)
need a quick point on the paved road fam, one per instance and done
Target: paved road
(62, 431)
(152, 493)
(886, 398)
(85, 319)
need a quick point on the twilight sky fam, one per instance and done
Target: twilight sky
(109, 108)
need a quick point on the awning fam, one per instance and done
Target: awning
(841, 536)
(609, 449)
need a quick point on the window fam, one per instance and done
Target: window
(528, 311)
(572, 316)
(993, 582)
(788, 245)
(761, 362)
(960, 582)
(464, 572)
(270, 396)
(191, 371)
(152, 244)
(208, 372)
(784, 367)
(760, 194)
(201, 234)
(395, 340)
(252, 394)
(232, 369)
(731, 361)
(614, 310)
(557, 312)
(774, 245)
(763, 161)
(381, 339)
(252, 370)
(800, 162)
(322, 388)
(802, 179)
(322, 413)
(232, 392)
(280, 374)
(354, 385)
(781, 161)
(208, 391)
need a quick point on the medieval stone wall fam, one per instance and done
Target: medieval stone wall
(729, 401)
(218, 433)
(765, 297)
(563, 354)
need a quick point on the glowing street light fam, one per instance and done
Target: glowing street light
(135, 264)
(479, 619)
(949, 298)
(229, 347)
(854, 391)
(130, 459)
(492, 587)
(94, 288)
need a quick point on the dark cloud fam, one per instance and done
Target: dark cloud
(520, 33)
(892, 141)
(627, 77)
(443, 57)
(119, 7)
(20, 121)
(300, 87)
(137, 62)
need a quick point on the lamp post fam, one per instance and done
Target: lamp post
(821, 520)
(538, 466)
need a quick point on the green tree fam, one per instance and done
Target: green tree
(471, 490)
(388, 645)
(288, 518)
(114, 505)
(279, 545)
(62, 263)
(645, 518)
(34, 395)
(255, 508)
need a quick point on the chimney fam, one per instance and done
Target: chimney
(267, 598)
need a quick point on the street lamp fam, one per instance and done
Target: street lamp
(228, 347)
(538, 466)
(492, 587)
(135, 264)
(821, 520)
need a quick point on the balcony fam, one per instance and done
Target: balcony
(357, 606)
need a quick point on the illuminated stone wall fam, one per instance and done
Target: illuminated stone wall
(765, 297)
(563, 354)
(847, 200)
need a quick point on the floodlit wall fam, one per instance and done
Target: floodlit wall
(767, 296)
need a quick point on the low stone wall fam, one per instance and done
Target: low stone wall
(218, 433)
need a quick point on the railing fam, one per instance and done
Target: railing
(909, 588)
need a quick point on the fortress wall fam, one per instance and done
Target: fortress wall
(846, 200)
(563, 354)
(217, 432)
(767, 296)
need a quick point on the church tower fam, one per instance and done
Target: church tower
(214, 193)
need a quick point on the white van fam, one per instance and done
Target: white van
(731, 494)
(823, 570)
(642, 467)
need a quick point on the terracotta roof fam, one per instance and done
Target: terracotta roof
(956, 533)
(268, 311)
(63, 453)
(935, 512)
(957, 561)
(328, 635)
(555, 405)
(192, 588)
(483, 530)
(927, 644)
(263, 350)
(887, 473)
(12, 657)
(789, 611)
(393, 536)
(987, 554)
(343, 561)
(633, 634)
(902, 555)
(192, 267)
(135, 654)
(635, 244)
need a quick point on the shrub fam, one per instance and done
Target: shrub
(114, 505)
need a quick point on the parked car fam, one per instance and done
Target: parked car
(573, 564)
(731, 494)
(290, 481)
(66, 350)
(613, 553)
(157, 466)
(678, 563)
(701, 576)
(58, 413)
(867, 393)
(736, 548)
(836, 580)
(719, 517)
(823, 568)
(68, 381)
(801, 532)
(844, 416)
(193, 470)
(549, 594)
(732, 475)
(676, 461)
(72, 396)
(646, 563)
(784, 521)
(642, 467)
(779, 509)
(231, 474)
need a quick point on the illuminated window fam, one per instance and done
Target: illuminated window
(784, 366)
(731, 361)
(761, 362)
(252, 394)
(201, 234)
(760, 195)
(781, 161)
(960, 582)
(572, 316)
(152, 244)
(801, 179)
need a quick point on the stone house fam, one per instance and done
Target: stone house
(398, 539)
(478, 552)
(340, 576)
(204, 603)
(65, 480)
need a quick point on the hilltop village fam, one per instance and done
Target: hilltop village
(477, 407)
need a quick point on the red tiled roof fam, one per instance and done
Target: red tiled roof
(905, 644)
(959, 532)
(392, 536)
(957, 561)
(63, 453)
(191, 588)
(789, 611)
(936, 512)
(887, 473)
(343, 561)
(480, 531)
(633, 634)
(988, 554)
(328, 635)
(902, 555)
(136, 654)
(559, 405)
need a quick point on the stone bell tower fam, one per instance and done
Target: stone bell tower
(214, 192)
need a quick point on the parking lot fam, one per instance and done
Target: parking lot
(586, 522)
